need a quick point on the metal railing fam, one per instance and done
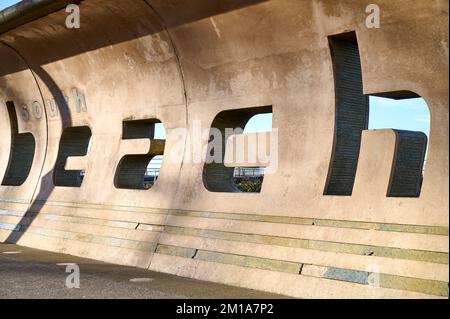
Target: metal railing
(241, 172)
(154, 170)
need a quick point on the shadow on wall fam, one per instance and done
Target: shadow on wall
(46, 185)
(176, 13)
(352, 117)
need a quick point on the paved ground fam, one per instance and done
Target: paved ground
(35, 274)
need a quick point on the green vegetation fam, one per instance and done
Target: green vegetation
(250, 186)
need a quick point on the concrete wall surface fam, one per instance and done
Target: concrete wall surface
(182, 62)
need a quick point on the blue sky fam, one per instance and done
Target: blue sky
(6, 3)
(411, 114)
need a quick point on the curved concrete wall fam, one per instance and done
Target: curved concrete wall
(184, 62)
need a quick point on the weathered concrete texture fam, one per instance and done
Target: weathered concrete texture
(195, 61)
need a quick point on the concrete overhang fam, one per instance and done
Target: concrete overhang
(29, 10)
